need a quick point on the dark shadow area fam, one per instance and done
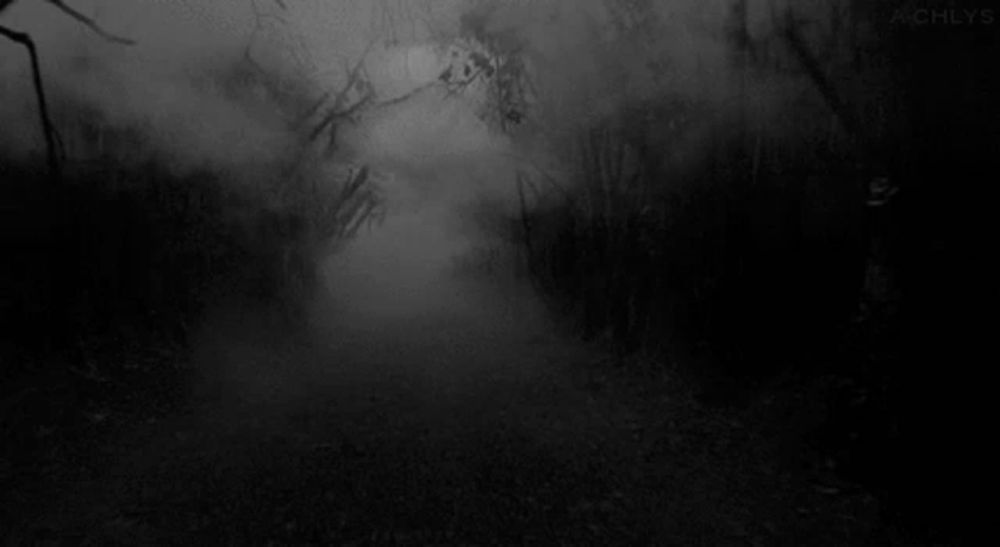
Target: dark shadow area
(615, 274)
(834, 273)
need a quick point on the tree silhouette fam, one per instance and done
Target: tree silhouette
(52, 146)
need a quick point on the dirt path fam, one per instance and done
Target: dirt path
(452, 428)
(444, 413)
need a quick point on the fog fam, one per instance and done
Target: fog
(434, 159)
(613, 259)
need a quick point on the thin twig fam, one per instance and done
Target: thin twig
(823, 84)
(338, 101)
(311, 111)
(336, 114)
(90, 23)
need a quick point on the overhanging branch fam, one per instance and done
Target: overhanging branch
(90, 23)
(338, 109)
(823, 84)
(48, 128)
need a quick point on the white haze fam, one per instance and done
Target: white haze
(433, 154)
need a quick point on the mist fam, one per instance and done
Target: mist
(393, 293)
(432, 157)
(451, 271)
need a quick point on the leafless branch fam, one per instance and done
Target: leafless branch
(52, 142)
(823, 84)
(456, 87)
(406, 96)
(336, 114)
(337, 111)
(311, 111)
(90, 23)
(51, 138)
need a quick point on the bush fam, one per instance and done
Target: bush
(118, 247)
(687, 256)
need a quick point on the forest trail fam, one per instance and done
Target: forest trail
(434, 411)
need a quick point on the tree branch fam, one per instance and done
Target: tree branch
(90, 23)
(43, 108)
(405, 96)
(338, 102)
(815, 72)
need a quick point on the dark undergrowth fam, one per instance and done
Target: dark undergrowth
(764, 280)
(105, 274)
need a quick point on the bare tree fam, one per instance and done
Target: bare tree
(52, 146)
